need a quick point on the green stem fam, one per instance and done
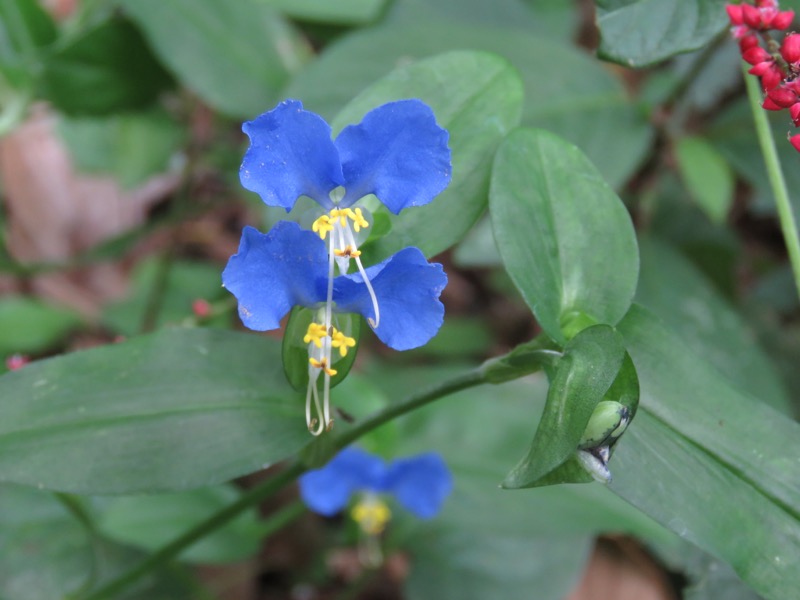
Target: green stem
(218, 519)
(776, 180)
(522, 361)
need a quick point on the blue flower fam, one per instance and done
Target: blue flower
(288, 266)
(397, 152)
(420, 484)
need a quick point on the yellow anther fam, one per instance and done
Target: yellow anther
(322, 226)
(322, 364)
(348, 252)
(315, 333)
(342, 342)
(372, 515)
(341, 214)
(358, 219)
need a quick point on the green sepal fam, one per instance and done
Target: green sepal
(593, 363)
(606, 425)
(295, 352)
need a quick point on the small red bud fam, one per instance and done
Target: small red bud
(201, 308)
(770, 105)
(783, 19)
(735, 14)
(794, 140)
(772, 78)
(756, 55)
(790, 48)
(794, 112)
(783, 97)
(16, 361)
(747, 41)
(751, 15)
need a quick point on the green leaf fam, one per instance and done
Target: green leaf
(170, 411)
(341, 12)
(707, 176)
(25, 26)
(637, 33)
(453, 564)
(234, 55)
(132, 147)
(565, 238)
(477, 97)
(44, 552)
(295, 352)
(30, 326)
(149, 522)
(676, 292)
(566, 91)
(590, 364)
(709, 461)
(108, 68)
(47, 554)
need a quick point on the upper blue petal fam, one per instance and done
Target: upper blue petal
(398, 153)
(407, 288)
(327, 490)
(291, 154)
(420, 483)
(274, 271)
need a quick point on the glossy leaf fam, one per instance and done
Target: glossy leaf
(149, 522)
(678, 294)
(709, 461)
(477, 97)
(637, 33)
(170, 411)
(108, 68)
(294, 351)
(565, 237)
(581, 379)
(566, 91)
(30, 326)
(234, 55)
(707, 176)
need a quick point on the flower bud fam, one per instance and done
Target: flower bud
(795, 141)
(794, 112)
(790, 49)
(783, 19)
(756, 55)
(782, 97)
(735, 13)
(751, 15)
(747, 41)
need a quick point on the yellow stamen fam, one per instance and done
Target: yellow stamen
(322, 364)
(322, 226)
(357, 216)
(315, 333)
(348, 252)
(342, 342)
(341, 214)
(372, 515)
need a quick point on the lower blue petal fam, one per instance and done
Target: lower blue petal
(398, 153)
(274, 271)
(291, 154)
(421, 483)
(407, 288)
(327, 490)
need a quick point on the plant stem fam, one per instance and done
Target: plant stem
(776, 180)
(534, 357)
(218, 519)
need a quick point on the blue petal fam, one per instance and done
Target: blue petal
(291, 154)
(420, 483)
(274, 271)
(407, 288)
(327, 490)
(398, 153)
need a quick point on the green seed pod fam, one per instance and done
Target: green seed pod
(607, 423)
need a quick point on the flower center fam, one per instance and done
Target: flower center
(372, 514)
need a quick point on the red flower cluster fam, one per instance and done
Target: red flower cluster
(778, 65)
